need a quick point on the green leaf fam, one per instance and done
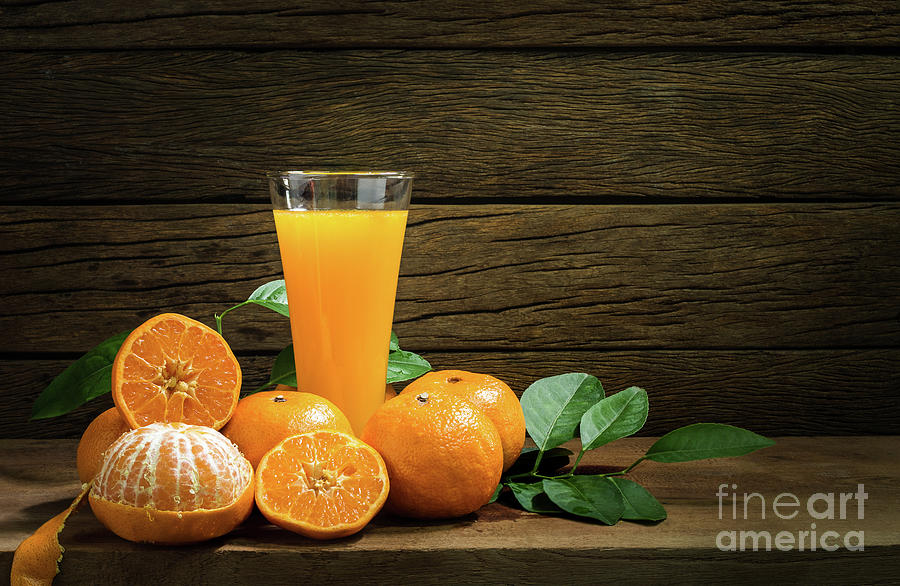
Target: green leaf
(614, 417)
(587, 496)
(705, 440)
(640, 505)
(272, 295)
(552, 460)
(395, 343)
(404, 365)
(554, 405)
(531, 497)
(87, 378)
(283, 370)
(496, 494)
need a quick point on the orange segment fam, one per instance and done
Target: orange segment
(322, 484)
(175, 369)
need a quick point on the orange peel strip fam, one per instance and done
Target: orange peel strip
(36, 561)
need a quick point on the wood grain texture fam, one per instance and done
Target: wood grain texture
(484, 277)
(498, 544)
(92, 24)
(802, 392)
(520, 125)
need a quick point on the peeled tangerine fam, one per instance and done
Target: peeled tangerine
(172, 483)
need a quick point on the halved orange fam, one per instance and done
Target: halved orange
(173, 369)
(322, 484)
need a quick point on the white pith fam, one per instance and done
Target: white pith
(232, 472)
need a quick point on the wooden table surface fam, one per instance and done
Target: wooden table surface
(499, 544)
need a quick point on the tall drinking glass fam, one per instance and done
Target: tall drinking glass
(340, 236)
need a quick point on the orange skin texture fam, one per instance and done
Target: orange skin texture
(337, 455)
(36, 560)
(491, 394)
(155, 351)
(171, 527)
(260, 422)
(443, 454)
(99, 435)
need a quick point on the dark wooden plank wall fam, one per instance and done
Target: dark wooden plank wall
(699, 198)
(154, 24)
(523, 125)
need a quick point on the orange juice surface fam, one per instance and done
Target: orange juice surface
(340, 268)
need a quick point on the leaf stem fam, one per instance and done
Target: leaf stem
(570, 473)
(219, 316)
(262, 388)
(577, 460)
(532, 475)
(636, 462)
(537, 462)
(274, 381)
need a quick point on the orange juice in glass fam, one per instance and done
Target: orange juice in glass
(340, 236)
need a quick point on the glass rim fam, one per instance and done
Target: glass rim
(315, 174)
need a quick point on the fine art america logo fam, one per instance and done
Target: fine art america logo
(817, 507)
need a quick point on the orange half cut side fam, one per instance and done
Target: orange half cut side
(175, 369)
(322, 484)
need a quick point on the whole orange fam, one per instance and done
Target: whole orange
(262, 420)
(172, 483)
(99, 435)
(491, 394)
(443, 454)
